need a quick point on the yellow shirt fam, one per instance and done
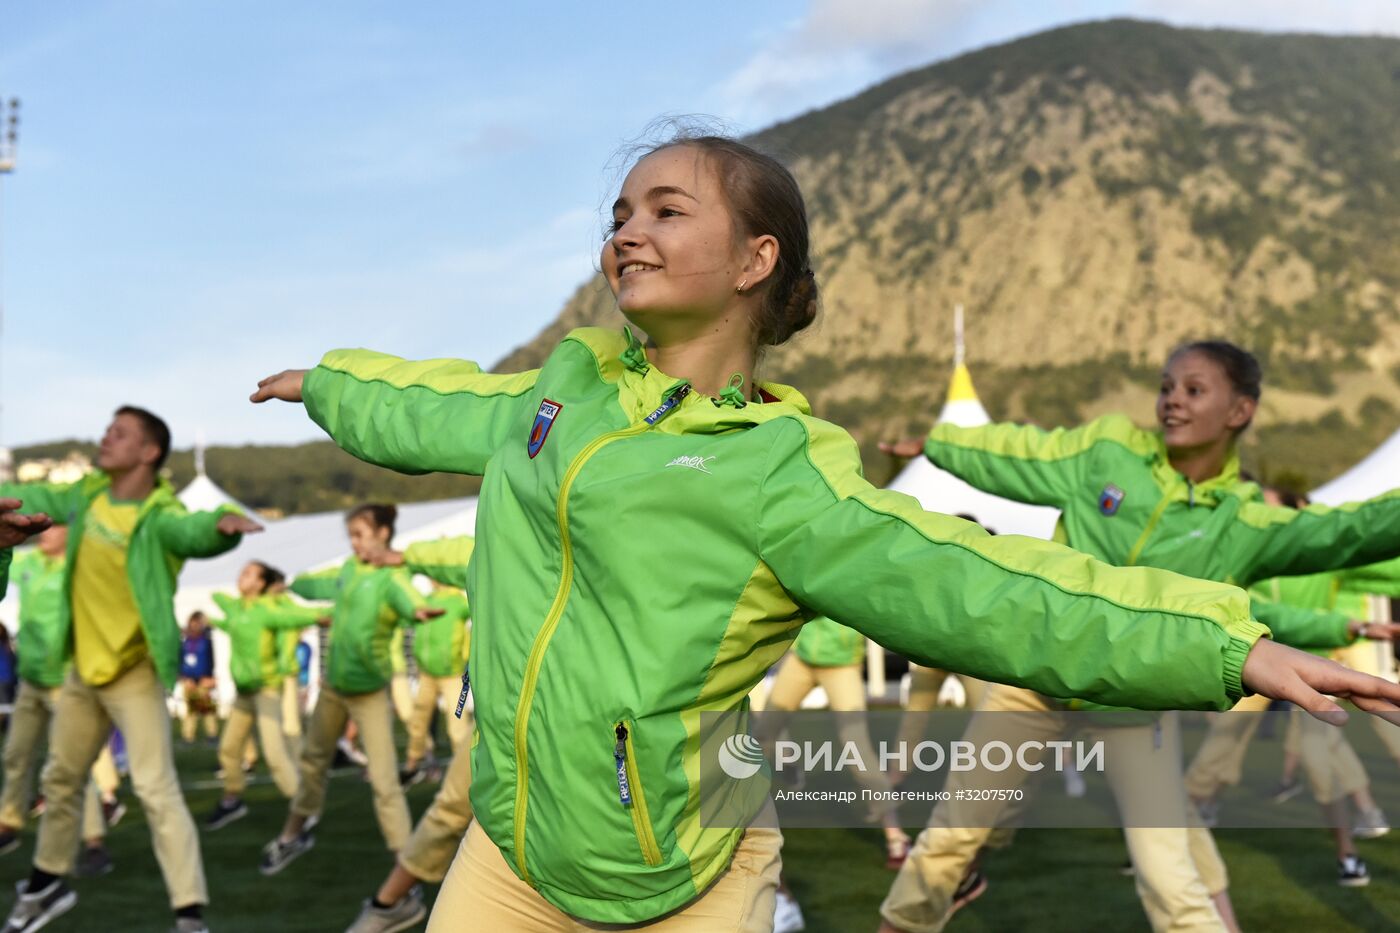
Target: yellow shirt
(107, 636)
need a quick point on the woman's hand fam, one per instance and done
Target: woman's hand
(285, 385)
(1309, 681)
(428, 612)
(910, 447)
(1374, 631)
(15, 528)
(234, 524)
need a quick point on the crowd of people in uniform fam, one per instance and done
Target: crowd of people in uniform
(656, 528)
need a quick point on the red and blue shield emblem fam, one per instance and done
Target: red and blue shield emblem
(544, 421)
(1110, 499)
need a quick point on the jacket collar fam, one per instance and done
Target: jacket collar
(1226, 482)
(643, 388)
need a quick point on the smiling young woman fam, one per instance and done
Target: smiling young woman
(1173, 499)
(618, 599)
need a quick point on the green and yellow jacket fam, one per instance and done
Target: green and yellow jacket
(370, 604)
(825, 642)
(647, 553)
(441, 645)
(38, 643)
(253, 625)
(1321, 606)
(166, 535)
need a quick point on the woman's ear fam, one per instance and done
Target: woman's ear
(761, 258)
(1242, 413)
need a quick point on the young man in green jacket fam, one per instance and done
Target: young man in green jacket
(128, 537)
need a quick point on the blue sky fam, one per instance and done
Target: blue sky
(209, 192)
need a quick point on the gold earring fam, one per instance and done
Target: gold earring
(740, 289)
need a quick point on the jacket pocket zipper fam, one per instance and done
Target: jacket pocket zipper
(630, 794)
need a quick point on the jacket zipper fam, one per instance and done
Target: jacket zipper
(631, 795)
(1147, 531)
(556, 611)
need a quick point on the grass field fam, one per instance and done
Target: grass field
(1050, 880)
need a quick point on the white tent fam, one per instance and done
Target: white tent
(203, 494)
(1378, 473)
(940, 491)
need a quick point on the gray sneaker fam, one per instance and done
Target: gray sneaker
(34, 911)
(408, 912)
(277, 854)
(190, 925)
(1371, 824)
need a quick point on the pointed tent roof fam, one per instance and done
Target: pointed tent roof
(203, 494)
(1371, 477)
(940, 491)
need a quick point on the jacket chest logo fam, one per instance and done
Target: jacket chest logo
(1110, 499)
(694, 463)
(544, 421)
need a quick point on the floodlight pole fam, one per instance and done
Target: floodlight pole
(9, 145)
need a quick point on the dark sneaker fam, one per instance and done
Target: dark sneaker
(408, 912)
(973, 886)
(9, 841)
(410, 776)
(34, 911)
(1352, 873)
(224, 814)
(1209, 810)
(1286, 791)
(113, 811)
(277, 854)
(93, 862)
(1371, 824)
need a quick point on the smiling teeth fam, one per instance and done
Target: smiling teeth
(635, 267)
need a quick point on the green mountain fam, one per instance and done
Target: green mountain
(1094, 195)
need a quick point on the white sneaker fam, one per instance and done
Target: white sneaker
(1371, 824)
(787, 916)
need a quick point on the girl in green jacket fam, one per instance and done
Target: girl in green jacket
(370, 603)
(1170, 498)
(654, 529)
(253, 620)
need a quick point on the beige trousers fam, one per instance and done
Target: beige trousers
(439, 832)
(1178, 868)
(481, 893)
(83, 718)
(29, 729)
(263, 710)
(434, 693)
(1331, 764)
(373, 717)
(291, 711)
(401, 692)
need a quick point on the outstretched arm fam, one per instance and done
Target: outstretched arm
(1286, 542)
(414, 417)
(203, 534)
(444, 560)
(1013, 609)
(1019, 461)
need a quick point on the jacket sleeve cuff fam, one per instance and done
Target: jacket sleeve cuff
(1243, 635)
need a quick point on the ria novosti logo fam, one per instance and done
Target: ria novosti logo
(741, 756)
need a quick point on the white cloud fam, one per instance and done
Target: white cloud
(840, 47)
